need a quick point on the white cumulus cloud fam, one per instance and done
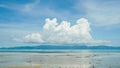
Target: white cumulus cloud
(64, 32)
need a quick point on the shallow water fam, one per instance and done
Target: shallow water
(62, 59)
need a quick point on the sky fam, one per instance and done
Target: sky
(35, 22)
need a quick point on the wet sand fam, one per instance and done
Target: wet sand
(80, 59)
(24, 67)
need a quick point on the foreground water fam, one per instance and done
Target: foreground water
(60, 59)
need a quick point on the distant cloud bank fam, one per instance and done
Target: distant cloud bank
(64, 32)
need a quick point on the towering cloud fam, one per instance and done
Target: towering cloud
(64, 32)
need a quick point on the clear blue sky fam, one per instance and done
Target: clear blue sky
(21, 17)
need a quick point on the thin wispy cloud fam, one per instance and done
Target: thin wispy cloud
(101, 13)
(27, 7)
(97, 11)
